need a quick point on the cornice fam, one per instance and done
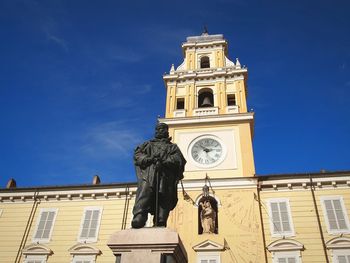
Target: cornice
(226, 72)
(237, 117)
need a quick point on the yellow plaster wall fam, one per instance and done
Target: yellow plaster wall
(304, 219)
(238, 222)
(12, 225)
(66, 227)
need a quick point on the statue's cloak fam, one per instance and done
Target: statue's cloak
(169, 172)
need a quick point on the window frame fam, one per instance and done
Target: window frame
(44, 240)
(287, 254)
(282, 233)
(29, 258)
(91, 258)
(339, 252)
(345, 214)
(94, 239)
(208, 256)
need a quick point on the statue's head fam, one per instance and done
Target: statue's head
(162, 131)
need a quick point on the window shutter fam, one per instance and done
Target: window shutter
(45, 225)
(284, 217)
(276, 217)
(90, 224)
(335, 214)
(341, 259)
(280, 217)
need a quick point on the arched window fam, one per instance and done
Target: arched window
(205, 98)
(207, 215)
(205, 63)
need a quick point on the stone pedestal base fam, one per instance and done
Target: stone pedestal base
(147, 245)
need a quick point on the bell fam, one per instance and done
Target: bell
(206, 102)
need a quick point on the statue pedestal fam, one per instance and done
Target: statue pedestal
(147, 245)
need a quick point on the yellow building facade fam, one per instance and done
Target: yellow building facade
(287, 218)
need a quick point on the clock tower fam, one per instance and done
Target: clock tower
(206, 110)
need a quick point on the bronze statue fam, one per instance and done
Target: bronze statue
(159, 167)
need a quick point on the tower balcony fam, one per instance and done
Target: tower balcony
(206, 111)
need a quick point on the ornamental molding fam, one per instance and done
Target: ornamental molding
(285, 245)
(207, 246)
(318, 183)
(211, 118)
(338, 243)
(84, 249)
(36, 249)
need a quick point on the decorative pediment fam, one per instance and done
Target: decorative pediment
(338, 242)
(36, 249)
(208, 245)
(84, 249)
(285, 245)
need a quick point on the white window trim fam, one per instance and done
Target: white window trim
(295, 254)
(44, 240)
(208, 256)
(91, 258)
(90, 240)
(339, 252)
(329, 230)
(290, 233)
(29, 258)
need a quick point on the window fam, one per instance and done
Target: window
(210, 258)
(280, 218)
(205, 62)
(180, 103)
(84, 259)
(90, 224)
(231, 100)
(45, 225)
(335, 213)
(282, 258)
(285, 251)
(341, 256)
(35, 259)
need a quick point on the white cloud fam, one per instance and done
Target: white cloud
(111, 140)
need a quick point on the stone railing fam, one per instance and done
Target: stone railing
(206, 111)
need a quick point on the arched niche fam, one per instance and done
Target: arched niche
(208, 215)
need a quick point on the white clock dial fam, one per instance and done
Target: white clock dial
(206, 151)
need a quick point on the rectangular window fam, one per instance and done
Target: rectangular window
(335, 213)
(231, 100)
(45, 225)
(341, 255)
(286, 257)
(84, 259)
(208, 257)
(180, 103)
(35, 259)
(280, 218)
(90, 224)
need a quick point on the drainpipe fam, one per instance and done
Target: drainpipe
(261, 222)
(318, 220)
(28, 227)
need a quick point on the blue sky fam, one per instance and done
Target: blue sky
(81, 82)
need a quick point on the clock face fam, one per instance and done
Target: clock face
(207, 151)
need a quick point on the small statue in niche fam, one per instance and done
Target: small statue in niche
(208, 217)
